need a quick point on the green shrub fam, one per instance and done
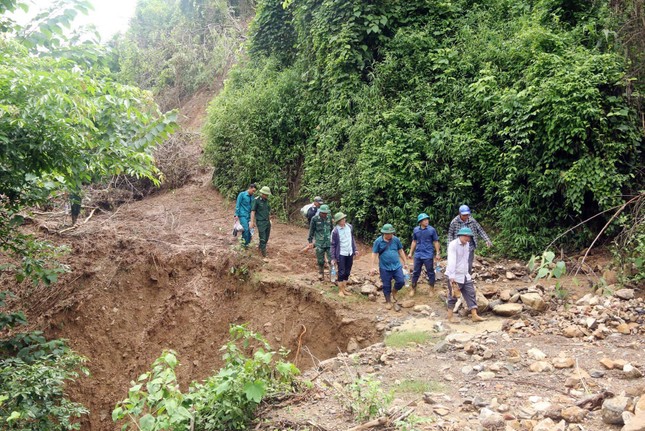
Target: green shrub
(227, 400)
(391, 108)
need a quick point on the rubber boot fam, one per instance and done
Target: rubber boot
(451, 316)
(413, 290)
(474, 316)
(321, 273)
(388, 303)
(341, 288)
(394, 299)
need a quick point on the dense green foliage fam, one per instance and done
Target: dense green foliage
(227, 400)
(64, 122)
(33, 374)
(390, 108)
(174, 47)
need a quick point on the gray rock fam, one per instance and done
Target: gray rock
(441, 347)
(631, 372)
(459, 338)
(510, 275)
(612, 410)
(482, 302)
(368, 289)
(625, 294)
(514, 298)
(490, 420)
(596, 374)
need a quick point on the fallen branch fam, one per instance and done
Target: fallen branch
(622, 207)
(304, 331)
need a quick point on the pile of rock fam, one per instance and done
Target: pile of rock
(491, 272)
(593, 317)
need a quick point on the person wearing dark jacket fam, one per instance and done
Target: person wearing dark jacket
(343, 250)
(313, 209)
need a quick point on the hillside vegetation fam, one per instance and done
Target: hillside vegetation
(390, 108)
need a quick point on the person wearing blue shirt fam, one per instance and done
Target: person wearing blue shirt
(391, 258)
(425, 249)
(243, 211)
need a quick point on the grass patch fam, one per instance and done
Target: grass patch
(403, 339)
(418, 387)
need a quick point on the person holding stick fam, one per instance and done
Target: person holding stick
(459, 279)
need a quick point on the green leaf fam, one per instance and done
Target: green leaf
(543, 272)
(14, 416)
(549, 256)
(147, 423)
(254, 391)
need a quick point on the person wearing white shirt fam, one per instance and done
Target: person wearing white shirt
(459, 280)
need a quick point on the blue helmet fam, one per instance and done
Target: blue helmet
(464, 210)
(422, 216)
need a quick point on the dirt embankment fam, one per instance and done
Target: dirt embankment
(165, 273)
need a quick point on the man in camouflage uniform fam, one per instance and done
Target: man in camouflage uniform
(260, 217)
(320, 236)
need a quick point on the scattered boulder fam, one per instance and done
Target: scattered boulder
(540, 367)
(612, 410)
(368, 289)
(636, 423)
(507, 310)
(486, 375)
(510, 275)
(459, 338)
(533, 300)
(421, 307)
(625, 294)
(536, 354)
(482, 302)
(408, 303)
(562, 362)
(574, 414)
(505, 295)
(631, 372)
(572, 331)
(607, 363)
(490, 420)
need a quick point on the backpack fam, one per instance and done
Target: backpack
(305, 209)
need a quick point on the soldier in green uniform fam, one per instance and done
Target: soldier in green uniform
(320, 232)
(260, 211)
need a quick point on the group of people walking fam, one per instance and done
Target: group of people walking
(333, 240)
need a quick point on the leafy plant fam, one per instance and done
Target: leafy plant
(64, 122)
(547, 268)
(33, 375)
(227, 400)
(154, 401)
(366, 399)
